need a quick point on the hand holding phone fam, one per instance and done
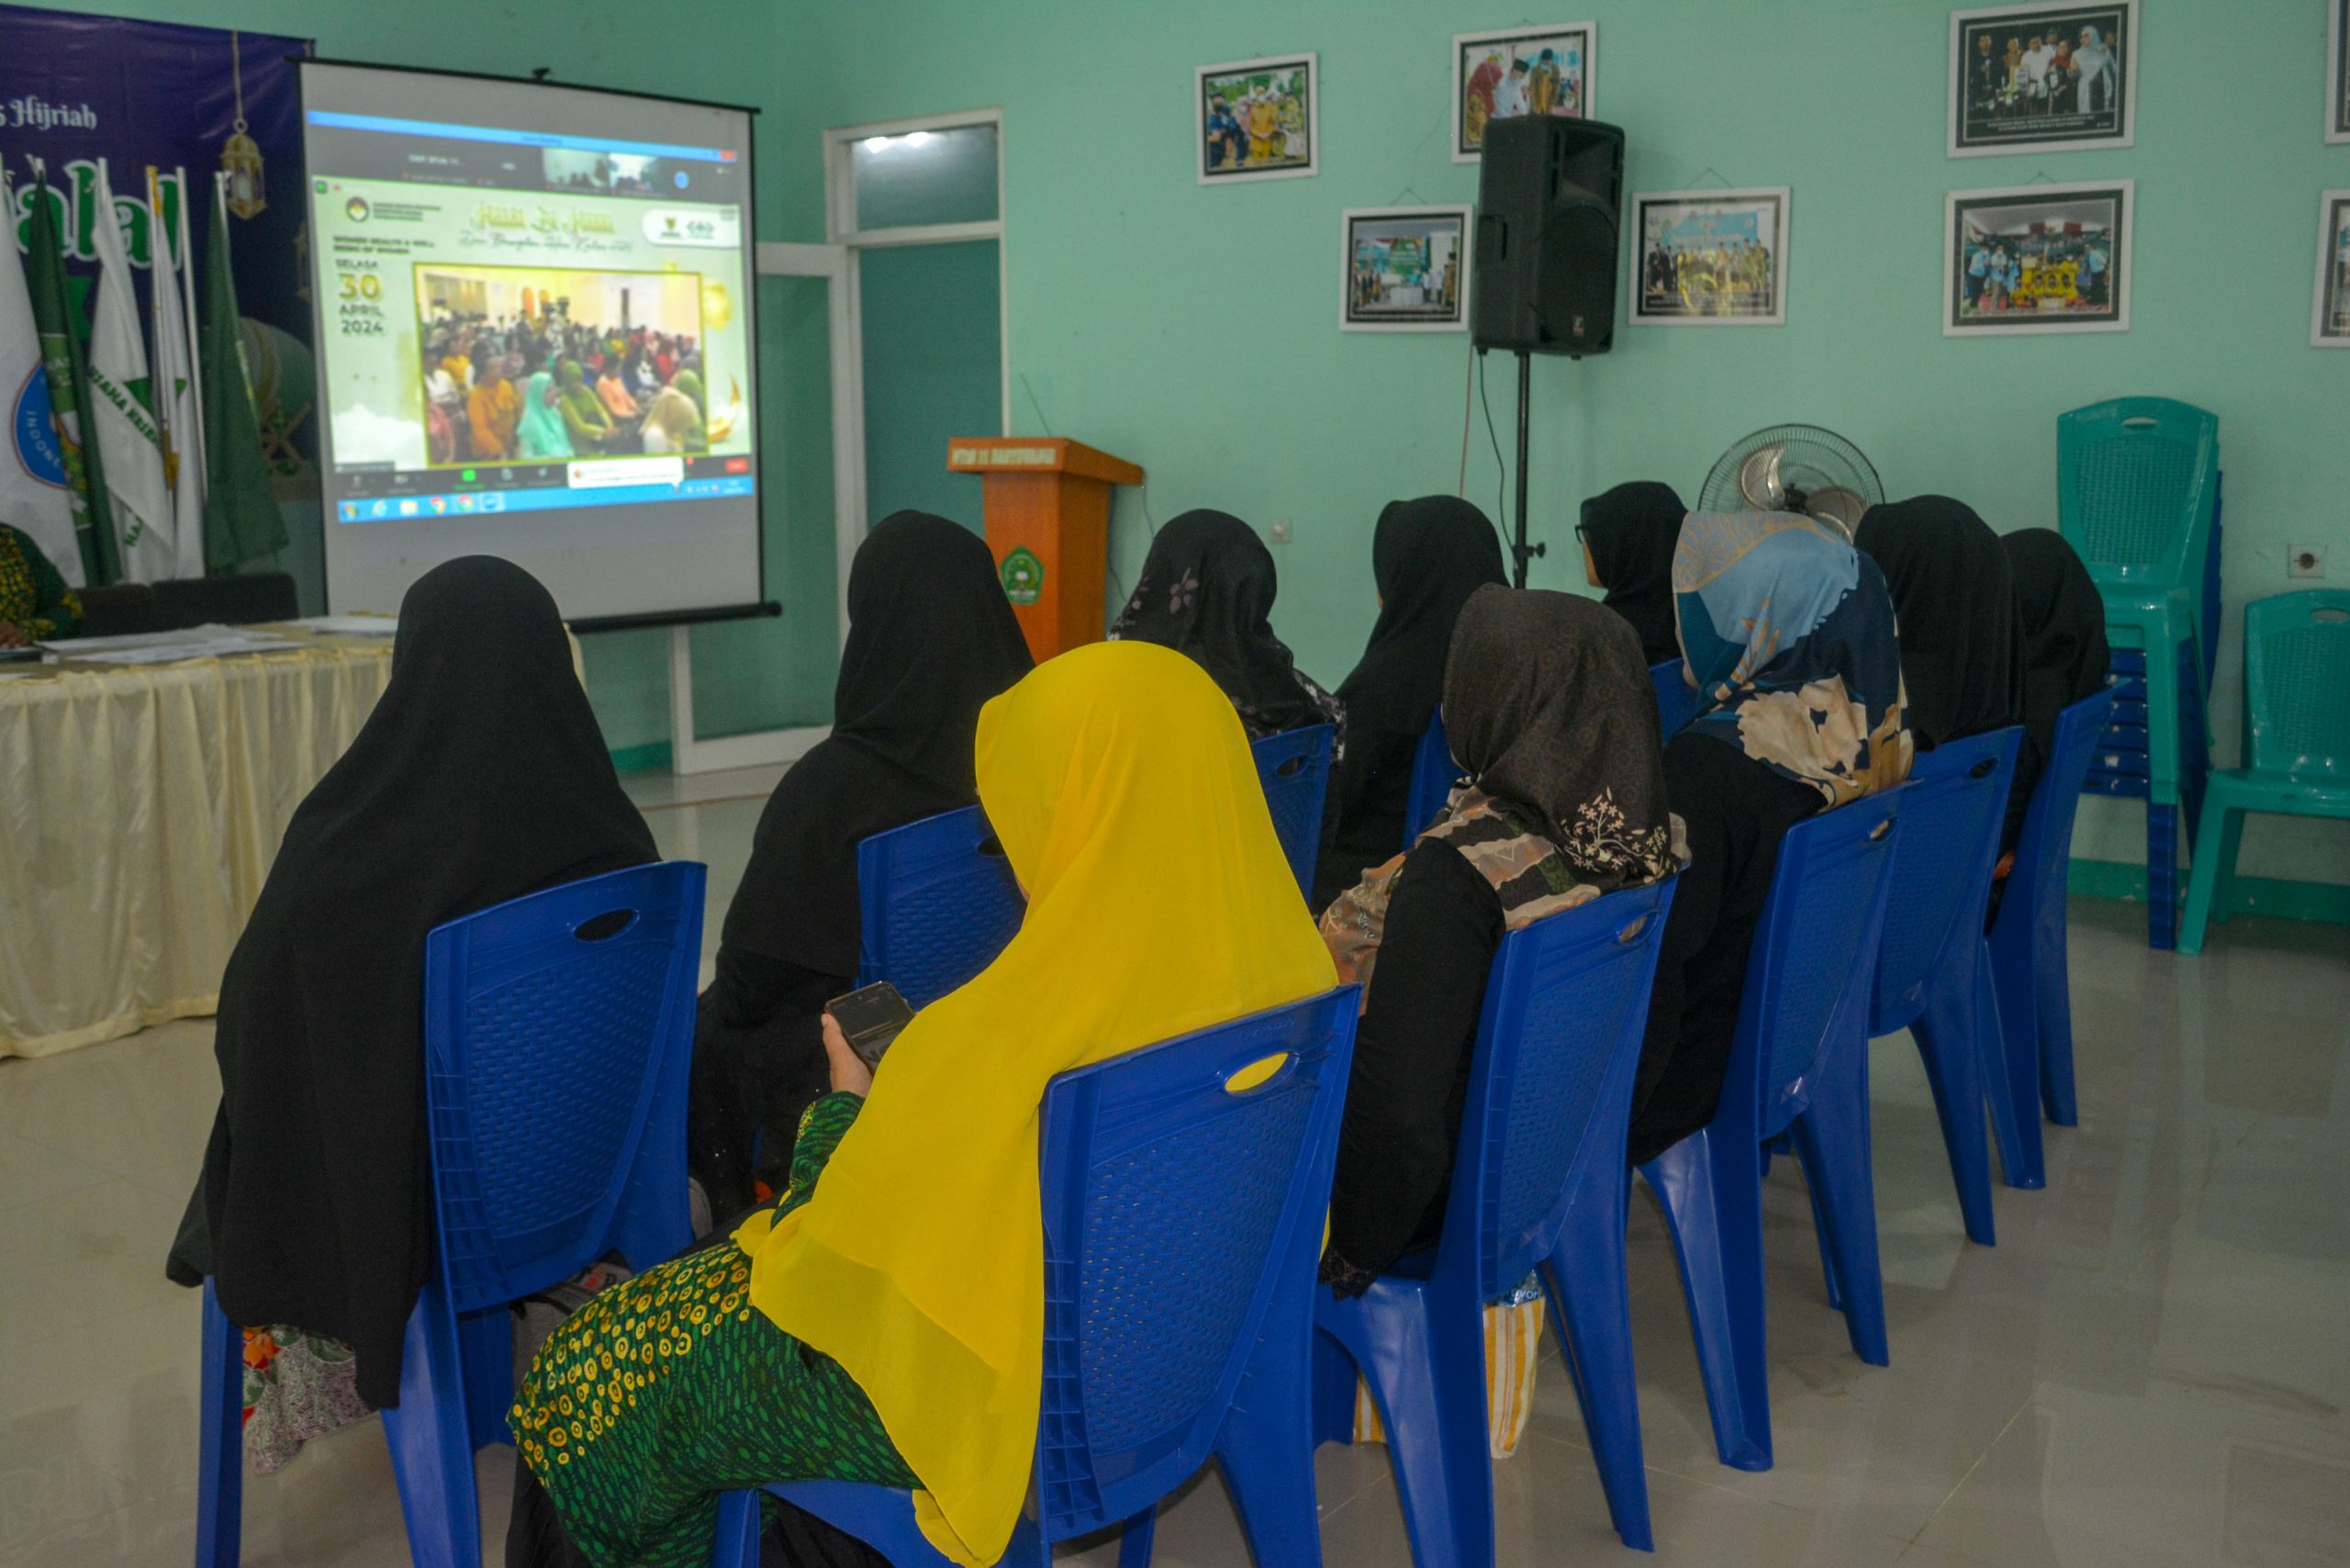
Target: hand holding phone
(844, 1069)
(869, 1019)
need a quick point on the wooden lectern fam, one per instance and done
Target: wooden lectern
(1049, 525)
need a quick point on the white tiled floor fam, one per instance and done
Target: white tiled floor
(2151, 1368)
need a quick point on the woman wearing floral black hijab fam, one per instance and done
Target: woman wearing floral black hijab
(1207, 591)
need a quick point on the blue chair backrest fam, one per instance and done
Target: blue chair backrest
(2297, 684)
(2037, 882)
(1952, 814)
(2136, 485)
(1826, 907)
(1294, 766)
(1434, 773)
(1174, 1207)
(936, 901)
(1676, 699)
(1558, 1045)
(558, 1028)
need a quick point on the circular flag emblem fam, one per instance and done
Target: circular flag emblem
(1024, 576)
(356, 209)
(33, 434)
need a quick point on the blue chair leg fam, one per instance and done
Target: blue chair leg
(1713, 1205)
(1591, 1311)
(1426, 1370)
(738, 1531)
(1266, 1445)
(1833, 1140)
(220, 1446)
(1830, 1283)
(487, 1340)
(1336, 1380)
(1946, 1033)
(2051, 1011)
(1135, 1542)
(431, 1435)
(2008, 1018)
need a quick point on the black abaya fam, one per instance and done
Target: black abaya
(2061, 617)
(1632, 531)
(1428, 556)
(479, 776)
(1954, 602)
(931, 638)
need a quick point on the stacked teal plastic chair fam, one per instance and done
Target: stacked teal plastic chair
(1167, 1340)
(1539, 1185)
(558, 1028)
(1798, 1069)
(2138, 496)
(2297, 738)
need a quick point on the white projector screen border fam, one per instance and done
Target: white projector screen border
(672, 562)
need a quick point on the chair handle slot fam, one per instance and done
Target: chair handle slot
(1292, 768)
(1881, 829)
(1631, 934)
(605, 926)
(1985, 768)
(2330, 615)
(2140, 423)
(1255, 1077)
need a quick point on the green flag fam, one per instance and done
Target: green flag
(242, 523)
(69, 390)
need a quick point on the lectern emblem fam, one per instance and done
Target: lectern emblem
(1023, 577)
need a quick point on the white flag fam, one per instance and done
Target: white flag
(173, 384)
(32, 461)
(129, 445)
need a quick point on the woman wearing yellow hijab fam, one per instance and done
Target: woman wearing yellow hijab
(887, 1324)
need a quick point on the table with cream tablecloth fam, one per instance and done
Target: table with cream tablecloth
(140, 808)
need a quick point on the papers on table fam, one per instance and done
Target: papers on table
(349, 625)
(169, 648)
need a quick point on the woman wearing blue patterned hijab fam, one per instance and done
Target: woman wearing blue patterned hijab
(1789, 636)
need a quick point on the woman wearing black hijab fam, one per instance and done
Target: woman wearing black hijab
(480, 776)
(1207, 592)
(2062, 618)
(1428, 556)
(1629, 535)
(1954, 602)
(931, 638)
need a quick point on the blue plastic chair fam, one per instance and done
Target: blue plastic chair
(1676, 699)
(1799, 1068)
(1294, 766)
(936, 901)
(1161, 1329)
(558, 1028)
(1433, 774)
(1539, 1185)
(2029, 1063)
(2297, 738)
(1929, 979)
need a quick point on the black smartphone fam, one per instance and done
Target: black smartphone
(871, 1017)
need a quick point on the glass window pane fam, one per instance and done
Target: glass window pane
(924, 176)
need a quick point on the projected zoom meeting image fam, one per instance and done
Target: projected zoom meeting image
(522, 319)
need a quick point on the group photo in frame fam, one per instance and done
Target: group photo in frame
(2330, 313)
(1259, 119)
(2043, 78)
(1513, 72)
(2337, 70)
(1406, 269)
(1713, 258)
(2045, 258)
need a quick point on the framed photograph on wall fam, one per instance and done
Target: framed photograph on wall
(1519, 70)
(2337, 70)
(2330, 316)
(1259, 119)
(1710, 258)
(1406, 269)
(2043, 78)
(2042, 258)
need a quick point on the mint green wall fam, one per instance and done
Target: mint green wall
(934, 370)
(1194, 332)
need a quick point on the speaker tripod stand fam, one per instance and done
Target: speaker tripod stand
(1521, 552)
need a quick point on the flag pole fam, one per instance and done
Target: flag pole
(195, 354)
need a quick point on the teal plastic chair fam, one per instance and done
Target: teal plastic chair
(2137, 490)
(2297, 738)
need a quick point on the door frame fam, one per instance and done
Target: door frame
(688, 754)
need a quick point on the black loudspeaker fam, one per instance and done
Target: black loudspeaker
(1549, 203)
